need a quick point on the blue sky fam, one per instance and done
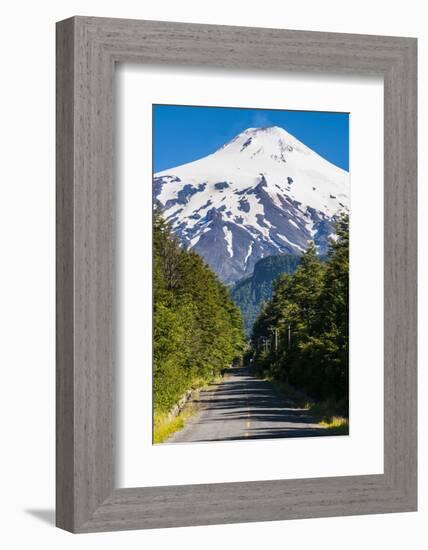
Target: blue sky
(182, 134)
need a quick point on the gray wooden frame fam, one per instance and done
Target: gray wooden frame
(87, 50)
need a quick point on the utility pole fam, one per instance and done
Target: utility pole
(274, 331)
(266, 342)
(289, 335)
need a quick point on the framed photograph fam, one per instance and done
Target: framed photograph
(236, 274)
(254, 219)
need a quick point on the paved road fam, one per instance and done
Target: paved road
(244, 407)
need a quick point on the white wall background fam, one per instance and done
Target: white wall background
(27, 272)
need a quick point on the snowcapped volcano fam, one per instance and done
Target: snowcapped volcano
(262, 193)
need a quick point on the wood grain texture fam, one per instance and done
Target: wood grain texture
(87, 49)
(64, 277)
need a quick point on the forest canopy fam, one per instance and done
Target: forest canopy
(197, 328)
(301, 335)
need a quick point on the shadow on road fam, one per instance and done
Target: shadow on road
(245, 407)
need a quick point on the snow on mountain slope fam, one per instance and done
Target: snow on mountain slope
(262, 193)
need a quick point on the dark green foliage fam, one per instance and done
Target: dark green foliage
(197, 329)
(301, 335)
(250, 293)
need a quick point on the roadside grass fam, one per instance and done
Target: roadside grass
(337, 425)
(164, 426)
(327, 413)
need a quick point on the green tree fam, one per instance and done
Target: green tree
(307, 317)
(197, 329)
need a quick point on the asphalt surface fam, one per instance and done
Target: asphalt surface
(245, 407)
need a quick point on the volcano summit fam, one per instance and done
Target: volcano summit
(261, 194)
